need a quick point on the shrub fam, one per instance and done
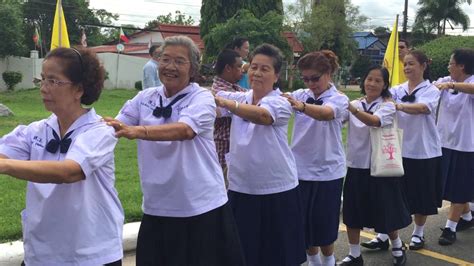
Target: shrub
(138, 85)
(11, 78)
(440, 50)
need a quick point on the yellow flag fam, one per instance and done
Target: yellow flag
(391, 60)
(60, 38)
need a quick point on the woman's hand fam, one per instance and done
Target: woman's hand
(220, 102)
(444, 86)
(122, 130)
(297, 105)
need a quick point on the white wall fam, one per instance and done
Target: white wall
(129, 70)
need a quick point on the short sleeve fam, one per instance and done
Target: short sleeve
(279, 108)
(338, 103)
(430, 97)
(15, 145)
(130, 112)
(385, 113)
(298, 95)
(93, 148)
(200, 113)
(234, 96)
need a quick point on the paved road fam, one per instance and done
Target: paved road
(461, 253)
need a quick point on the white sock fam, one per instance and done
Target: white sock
(452, 225)
(313, 260)
(467, 216)
(471, 206)
(354, 250)
(417, 230)
(382, 237)
(328, 261)
(397, 243)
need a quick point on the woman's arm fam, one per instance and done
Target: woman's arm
(364, 117)
(318, 112)
(457, 86)
(252, 113)
(58, 172)
(413, 108)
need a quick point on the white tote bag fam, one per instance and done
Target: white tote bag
(386, 157)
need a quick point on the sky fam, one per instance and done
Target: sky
(379, 12)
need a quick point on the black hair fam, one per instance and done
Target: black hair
(226, 57)
(422, 59)
(465, 56)
(152, 49)
(406, 42)
(81, 66)
(237, 42)
(386, 80)
(270, 51)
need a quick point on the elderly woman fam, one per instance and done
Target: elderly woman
(374, 202)
(455, 124)
(319, 153)
(416, 101)
(186, 220)
(73, 215)
(262, 173)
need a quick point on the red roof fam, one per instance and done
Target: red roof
(294, 43)
(193, 32)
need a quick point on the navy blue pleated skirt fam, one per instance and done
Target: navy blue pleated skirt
(374, 202)
(424, 185)
(270, 227)
(321, 209)
(207, 239)
(458, 171)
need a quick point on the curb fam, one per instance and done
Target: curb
(11, 253)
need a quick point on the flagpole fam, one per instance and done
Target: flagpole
(60, 8)
(395, 43)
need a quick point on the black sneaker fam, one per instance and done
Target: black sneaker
(464, 224)
(352, 261)
(379, 244)
(417, 245)
(447, 238)
(400, 260)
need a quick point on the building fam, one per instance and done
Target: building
(369, 45)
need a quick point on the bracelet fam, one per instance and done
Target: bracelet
(304, 107)
(146, 131)
(236, 105)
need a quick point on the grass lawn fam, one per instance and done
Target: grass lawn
(28, 107)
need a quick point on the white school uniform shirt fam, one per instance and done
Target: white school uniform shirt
(359, 149)
(456, 118)
(420, 135)
(317, 145)
(260, 161)
(70, 224)
(178, 178)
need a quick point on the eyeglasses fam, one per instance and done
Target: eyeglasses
(49, 82)
(177, 61)
(402, 47)
(312, 78)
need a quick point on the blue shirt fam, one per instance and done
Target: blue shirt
(150, 75)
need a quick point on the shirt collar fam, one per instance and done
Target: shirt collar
(190, 88)
(222, 83)
(88, 117)
(422, 85)
(249, 96)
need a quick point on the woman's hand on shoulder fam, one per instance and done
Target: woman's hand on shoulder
(297, 105)
(121, 129)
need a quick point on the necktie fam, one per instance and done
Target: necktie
(57, 143)
(410, 97)
(311, 100)
(370, 107)
(166, 112)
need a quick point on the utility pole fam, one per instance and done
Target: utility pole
(405, 20)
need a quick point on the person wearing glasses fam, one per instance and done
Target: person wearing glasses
(319, 152)
(373, 202)
(416, 103)
(263, 186)
(73, 215)
(403, 49)
(187, 219)
(455, 124)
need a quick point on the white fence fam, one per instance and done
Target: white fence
(123, 70)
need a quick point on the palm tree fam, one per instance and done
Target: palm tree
(440, 12)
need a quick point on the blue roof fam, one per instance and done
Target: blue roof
(364, 39)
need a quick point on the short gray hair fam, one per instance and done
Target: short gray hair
(194, 53)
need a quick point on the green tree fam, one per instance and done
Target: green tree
(76, 13)
(179, 19)
(360, 66)
(215, 12)
(11, 30)
(267, 29)
(435, 14)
